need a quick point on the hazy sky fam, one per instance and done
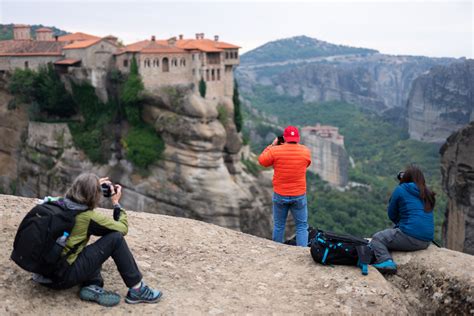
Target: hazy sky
(431, 28)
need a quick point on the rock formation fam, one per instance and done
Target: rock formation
(330, 159)
(206, 269)
(200, 177)
(441, 102)
(457, 168)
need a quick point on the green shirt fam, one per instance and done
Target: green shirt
(92, 223)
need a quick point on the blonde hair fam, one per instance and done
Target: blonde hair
(85, 190)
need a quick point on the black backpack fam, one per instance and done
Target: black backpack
(341, 249)
(311, 234)
(35, 248)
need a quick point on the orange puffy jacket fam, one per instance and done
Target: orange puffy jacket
(289, 163)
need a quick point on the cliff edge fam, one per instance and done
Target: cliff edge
(206, 269)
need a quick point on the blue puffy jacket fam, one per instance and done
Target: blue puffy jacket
(406, 210)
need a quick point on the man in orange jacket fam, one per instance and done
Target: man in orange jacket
(289, 161)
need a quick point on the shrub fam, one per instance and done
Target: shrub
(133, 87)
(143, 146)
(23, 84)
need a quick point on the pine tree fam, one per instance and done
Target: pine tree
(202, 88)
(238, 120)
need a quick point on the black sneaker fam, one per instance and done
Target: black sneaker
(97, 294)
(144, 294)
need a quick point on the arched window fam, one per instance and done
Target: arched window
(154, 63)
(125, 62)
(27, 65)
(165, 63)
(184, 62)
(174, 62)
(157, 61)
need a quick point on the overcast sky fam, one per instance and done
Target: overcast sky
(431, 28)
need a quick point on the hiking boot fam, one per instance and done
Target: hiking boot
(97, 294)
(386, 267)
(144, 294)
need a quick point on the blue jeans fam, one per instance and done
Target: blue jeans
(299, 209)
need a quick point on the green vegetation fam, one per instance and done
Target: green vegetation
(380, 149)
(298, 47)
(6, 31)
(45, 90)
(238, 120)
(95, 134)
(202, 88)
(143, 146)
(252, 166)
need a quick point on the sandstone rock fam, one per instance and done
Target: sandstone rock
(457, 168)
(204, 269)
(441, 102)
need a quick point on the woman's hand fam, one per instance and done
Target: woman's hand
(116, 194)
(104, 180)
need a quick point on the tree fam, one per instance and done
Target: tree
(133, 87)
(238, 120)
(202, 88)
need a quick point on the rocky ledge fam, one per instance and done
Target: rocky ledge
(206, 269)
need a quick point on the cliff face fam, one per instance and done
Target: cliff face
(375, 81)
(441, 102)
(457, 168)
(330, 159)
(200, 177)
(205, 269)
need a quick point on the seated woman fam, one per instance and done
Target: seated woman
(411, 209)
(84, 265)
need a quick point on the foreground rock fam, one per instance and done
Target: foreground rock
(457, 168)
(206, 269)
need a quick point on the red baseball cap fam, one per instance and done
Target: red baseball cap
(290, 134)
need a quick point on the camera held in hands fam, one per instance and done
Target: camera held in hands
(281, 140)
(400, 175)
(108, 189)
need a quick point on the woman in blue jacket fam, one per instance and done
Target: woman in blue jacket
(411, 209)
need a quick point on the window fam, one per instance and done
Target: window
(154, 63)
(218, 74)
(193, 56)
(174, 62)
(213, 76)
(183, 62)
(27, 65)
(207, 74)
(165, 63)
(226, 55)
(125, 62)
(157, 61)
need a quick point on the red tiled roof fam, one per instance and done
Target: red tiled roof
(151, 47)
(82, 44)
(30, 48)
(78, 36)
(67, 62)
(44, 29)
(162, 46)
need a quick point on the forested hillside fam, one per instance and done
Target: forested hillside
(6, 30)
(379, 148)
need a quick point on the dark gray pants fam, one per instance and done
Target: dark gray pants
(86, 269)
(394, 239)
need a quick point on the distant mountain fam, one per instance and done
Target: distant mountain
(6, 30)
(298, 47)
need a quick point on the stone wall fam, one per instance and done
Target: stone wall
(457, 168)
(10, 63)
(97, 56)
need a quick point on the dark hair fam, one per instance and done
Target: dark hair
(85, 190)
(414, 174)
